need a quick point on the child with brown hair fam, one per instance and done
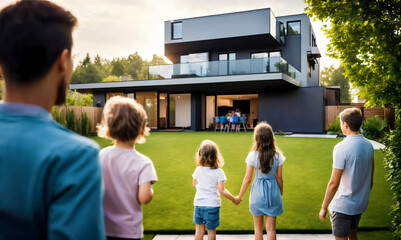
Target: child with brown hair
(265, 199)
(128, 175)
(208, 179)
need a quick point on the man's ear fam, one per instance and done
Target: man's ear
(1, 72)
(62, 60)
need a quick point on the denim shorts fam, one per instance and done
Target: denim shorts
(343, 224)
(210, 216)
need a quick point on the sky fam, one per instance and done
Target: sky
(117, 28)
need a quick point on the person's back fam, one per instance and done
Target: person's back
(354, 154)
(50, 178)
(128, 175)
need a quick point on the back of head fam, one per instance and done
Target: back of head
(123, 119)
(265, 143)
(209, 155)
(353, 117)
(33, 33)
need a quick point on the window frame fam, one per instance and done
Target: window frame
(300, 27)
(172, 30)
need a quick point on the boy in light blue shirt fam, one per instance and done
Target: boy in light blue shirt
(50, 177)
(347, 194)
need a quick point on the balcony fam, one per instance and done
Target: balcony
(224, 68)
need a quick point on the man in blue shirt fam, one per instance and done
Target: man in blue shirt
(347, 194)
(50, 178)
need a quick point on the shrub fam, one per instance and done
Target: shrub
(58, 115)
(85, 124)
(70, 120)
(335, 127)
(392, 162)
(374, 128)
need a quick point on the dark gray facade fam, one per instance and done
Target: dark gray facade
(301, 110)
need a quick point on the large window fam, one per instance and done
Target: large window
(294, 28)
(176, 30)
(149, 102)
(180, 110)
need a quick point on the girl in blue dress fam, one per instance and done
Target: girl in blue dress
(267, 188)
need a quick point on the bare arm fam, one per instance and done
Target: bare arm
(145, 193)
(247, 180)
(331, 190)
(373, 171)
(194, 183)
(223, 191)
(279, 177)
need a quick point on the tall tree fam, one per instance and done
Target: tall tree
(117, 67)
(366, 36)
(86, 72)
(134, 65)
(335, 77)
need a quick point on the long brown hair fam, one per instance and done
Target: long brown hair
(209, 155)
(265, 143)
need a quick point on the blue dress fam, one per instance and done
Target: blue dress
(265, 197)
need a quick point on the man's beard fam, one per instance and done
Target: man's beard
(61, 93)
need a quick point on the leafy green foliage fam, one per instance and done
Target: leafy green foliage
(75, 98)
(365, 35)
(335, 127)
(111, 78)
(85, 124)
(335, 77)
(393, 166)
(58, 115)
(70, 120)
(374, 128)
(102, 70)
(79, 125)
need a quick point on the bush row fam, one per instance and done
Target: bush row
(373, 128)
(79, 125)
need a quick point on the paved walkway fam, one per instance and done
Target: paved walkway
(249, 237)
(312, 135)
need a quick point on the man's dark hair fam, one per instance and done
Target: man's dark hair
(353, 117)
(33, 33)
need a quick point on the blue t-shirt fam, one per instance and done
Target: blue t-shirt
(50, 178)
(354, 155)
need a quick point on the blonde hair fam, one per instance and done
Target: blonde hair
(124, 120)
(209, 155)
(265, 143)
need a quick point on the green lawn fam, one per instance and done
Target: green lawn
(306, 173)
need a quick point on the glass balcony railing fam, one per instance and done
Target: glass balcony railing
(224, 68)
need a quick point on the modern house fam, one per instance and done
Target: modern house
(266, 65)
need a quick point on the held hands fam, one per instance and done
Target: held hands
(237, 200)
(323, 214)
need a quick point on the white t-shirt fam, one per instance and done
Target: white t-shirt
(207, 194)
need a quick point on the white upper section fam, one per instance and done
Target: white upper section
(228, 25)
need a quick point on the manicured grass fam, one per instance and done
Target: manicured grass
(306, 173)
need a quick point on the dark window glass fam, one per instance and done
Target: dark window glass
(282, 33)
(177, 30)
(294, 28)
